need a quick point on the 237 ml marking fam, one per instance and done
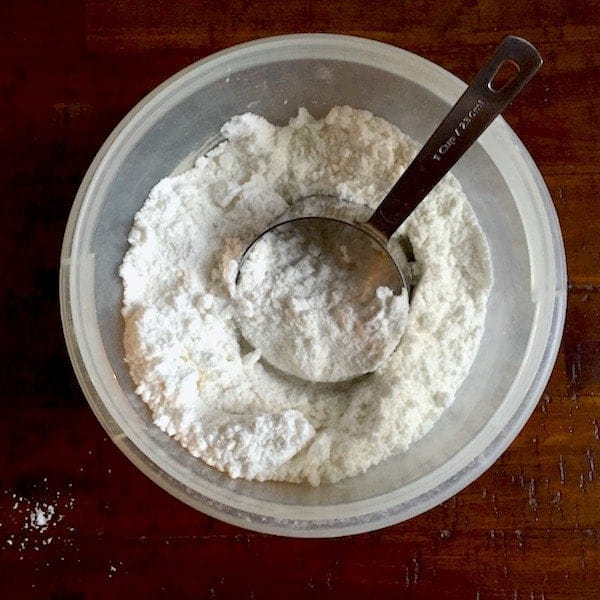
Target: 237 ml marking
(458, 130)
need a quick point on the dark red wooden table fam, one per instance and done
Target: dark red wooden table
(528, 528)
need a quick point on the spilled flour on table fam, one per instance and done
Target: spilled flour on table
(29, 523)
(41, 516)
(208, 388)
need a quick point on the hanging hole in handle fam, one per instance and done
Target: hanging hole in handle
(504, 75)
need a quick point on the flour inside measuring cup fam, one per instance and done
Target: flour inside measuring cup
(208, 388)
(316, 297)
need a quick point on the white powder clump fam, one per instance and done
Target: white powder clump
(312, 297)
(257, 444)
(202, 381)
(41, 516)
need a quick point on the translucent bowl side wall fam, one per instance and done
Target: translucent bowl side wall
(183, 118)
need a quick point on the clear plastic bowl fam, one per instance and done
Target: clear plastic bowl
(273, 77)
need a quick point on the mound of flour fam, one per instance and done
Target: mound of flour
(208, 388)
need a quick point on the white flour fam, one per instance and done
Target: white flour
(31, 523)
(316, 301)
(211, 391)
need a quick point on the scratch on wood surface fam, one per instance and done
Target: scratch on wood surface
(562, 469)
(329, 579)
(546, 399)
(533, 502)
(416, 568)
(591, 464)
(576, 513)
(536, 445)
(412, 570)
(505, 569)
(583, 562)
(495, 507)
(520, 539)
(64, 113)
(557, 501)
(521, 477)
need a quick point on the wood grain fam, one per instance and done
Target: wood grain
(527, 528)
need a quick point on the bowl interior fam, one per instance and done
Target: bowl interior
(182, 121)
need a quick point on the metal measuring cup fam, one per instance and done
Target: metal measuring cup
(483, 100)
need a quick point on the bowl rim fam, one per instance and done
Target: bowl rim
(330, 526)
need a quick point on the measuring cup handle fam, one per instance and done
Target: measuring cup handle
(479, 105)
